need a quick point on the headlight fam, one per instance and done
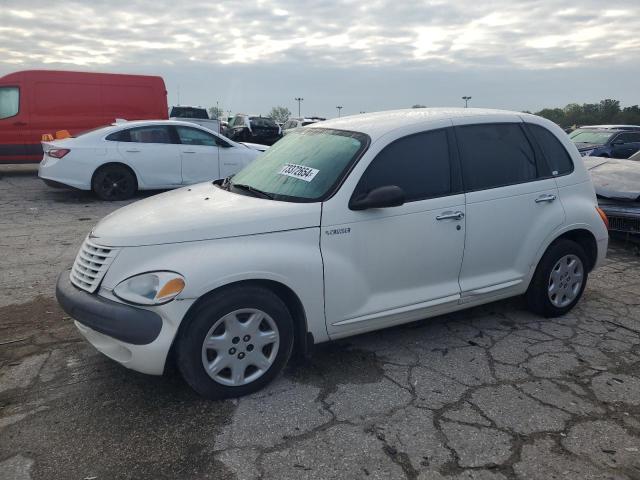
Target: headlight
(587, 153)
(153, 288)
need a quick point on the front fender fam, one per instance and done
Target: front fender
(291, 258)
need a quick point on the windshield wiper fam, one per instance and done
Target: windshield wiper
(250, 189)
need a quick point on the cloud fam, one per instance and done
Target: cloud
(364, 54)
(437, 34)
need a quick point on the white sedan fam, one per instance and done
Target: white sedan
(117, 160)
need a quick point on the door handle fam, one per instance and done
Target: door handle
(188, 151)
(547, 197)
(132, 151)
(19, 124)
(450, 215)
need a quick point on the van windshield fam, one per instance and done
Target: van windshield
(305, 166)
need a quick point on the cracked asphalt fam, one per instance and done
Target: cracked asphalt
(486, 394)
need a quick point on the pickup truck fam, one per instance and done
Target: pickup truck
(197, 115)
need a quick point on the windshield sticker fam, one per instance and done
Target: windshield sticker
(299, 171)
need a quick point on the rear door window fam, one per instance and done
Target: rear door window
(151, 134)
(554, 152)
(419, 164)
(495, 155)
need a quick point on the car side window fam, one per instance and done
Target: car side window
(150, 134)
(554, 152)
(121, 136)
(419, 164)
(629, 137)
(495, 155)
(193, 136)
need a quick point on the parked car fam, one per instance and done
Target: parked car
(299, 122)
(617, 185)
(118, 160)
(197, 115)
(247, 128)
(604, 142)
(341, 228)
(614, 127)
(36, 102)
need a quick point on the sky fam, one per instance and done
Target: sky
(248, 56)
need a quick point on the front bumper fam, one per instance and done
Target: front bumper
(137, 338)
(623, 218)
(117, 320)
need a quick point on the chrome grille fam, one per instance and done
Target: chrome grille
(91, 263)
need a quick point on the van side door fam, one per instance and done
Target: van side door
(391, 265)
(14, 120)
(512, 207)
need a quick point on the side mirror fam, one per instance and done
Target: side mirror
(618, 142)
(381, 197)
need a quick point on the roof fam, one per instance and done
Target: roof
(376, 124)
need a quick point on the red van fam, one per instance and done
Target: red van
(35, 102)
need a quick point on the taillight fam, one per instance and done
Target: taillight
(603, 216)
(58, 152)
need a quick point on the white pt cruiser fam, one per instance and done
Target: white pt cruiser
(340, 228)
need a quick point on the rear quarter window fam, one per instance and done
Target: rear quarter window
(555, 154)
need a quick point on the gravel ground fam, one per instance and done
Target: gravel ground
(485, 394)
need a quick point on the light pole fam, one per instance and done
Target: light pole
(299, 100)
(466, 101)
(339, 107)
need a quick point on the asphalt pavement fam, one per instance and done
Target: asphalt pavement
(490, 393)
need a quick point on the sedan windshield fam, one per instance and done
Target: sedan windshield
(597, 137)
(304, 166)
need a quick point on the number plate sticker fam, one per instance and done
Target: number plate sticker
(299, 171)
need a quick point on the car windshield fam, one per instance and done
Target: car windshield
(591, 136)
(189, 112)
(304, 166)
(262, 122)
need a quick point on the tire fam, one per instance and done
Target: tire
(259, 348)
(559, 279)
(114, 182)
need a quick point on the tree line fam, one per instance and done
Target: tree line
(605, 112)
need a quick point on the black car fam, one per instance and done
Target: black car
(617, 184)
(601, 142)
(245, 128)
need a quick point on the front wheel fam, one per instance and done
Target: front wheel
(559, 280)
(235, 342)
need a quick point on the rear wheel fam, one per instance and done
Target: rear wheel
(114, 182)
(235, 342)
(559, 280)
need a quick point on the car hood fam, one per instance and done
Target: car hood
(200, 212)
(587, 146)
(614, 179)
